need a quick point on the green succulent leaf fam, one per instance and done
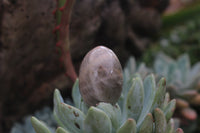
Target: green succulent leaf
(78, 101)
(135, 99)
(128, 127)
(127, 82)
(138, 103)
(113, 112)
(61, 130)
(173, 73)
(166, 101)
(123, 98)
(83, 107)
(76, 94)
(147, 124)
(39, 126)
(131, 65)
(170, 126)
(160, 121)
(169, 110)
(68, 116)
(161, 62)
(149, 93)
(160, 94)
(143, 70)
(184, 66)
(97, 121)
(57, 101)
(194, 74)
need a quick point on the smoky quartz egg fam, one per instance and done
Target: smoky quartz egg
(100, 77)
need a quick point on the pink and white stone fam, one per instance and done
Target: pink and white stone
(100, 77)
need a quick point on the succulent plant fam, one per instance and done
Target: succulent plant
(176, 39)
(131, 68)
(109, 118)
(143, 107)
(183, 81)
(45, 114)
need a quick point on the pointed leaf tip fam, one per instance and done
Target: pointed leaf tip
(76, 96)
(61, 130)
(169, 110)
(147, 124)
(160, 121)
(128, 127)
(39, 126)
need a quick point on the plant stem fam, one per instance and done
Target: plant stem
(63, 15)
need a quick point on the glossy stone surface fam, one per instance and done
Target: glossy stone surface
(100, 77)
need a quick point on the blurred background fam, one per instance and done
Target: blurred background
(30, 69)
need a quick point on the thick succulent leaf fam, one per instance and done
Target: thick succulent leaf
(128, 127)
(57, 100)
(78, 101)
(167, 67)
(170, 126)
(83, 107)
(127, 82)
(127, 85)
(149, 93)
(147, 124)
(131, 65)
(194, 75)
(135, 99)
(113, 112)
(123, 98)
(160, 121)
(143, 70)
(76, 94)
(61, 130)
(39, 126)
(121, 101)
(195, 71)
(166, 101)
(169, 110)
(57, 97)
(97, 121)
(68, 116)
(126, 76)
(184, 66)
(160, 94)
(161, 64)
(173, 74)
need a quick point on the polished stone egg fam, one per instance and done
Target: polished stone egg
(100, 77)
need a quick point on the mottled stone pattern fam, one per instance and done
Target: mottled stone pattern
(100, 76)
